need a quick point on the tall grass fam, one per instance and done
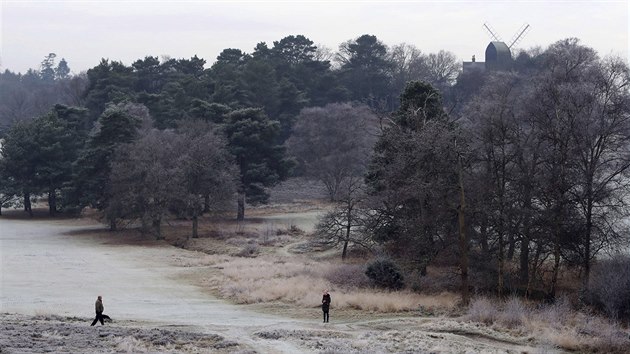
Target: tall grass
(269, 279)
(556, 325)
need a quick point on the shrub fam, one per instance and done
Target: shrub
(609, 287)
(385, 274)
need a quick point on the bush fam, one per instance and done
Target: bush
(385, 274)
(609, 287)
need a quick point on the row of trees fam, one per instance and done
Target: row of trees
(255, 98)
(282, 79)
(533, 172)
(132, 171)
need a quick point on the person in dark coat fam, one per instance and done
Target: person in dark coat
(99, 311)
(326, 305)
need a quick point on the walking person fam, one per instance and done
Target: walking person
(326, 305)
(99, 311)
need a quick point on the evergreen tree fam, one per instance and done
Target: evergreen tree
(413, 177)
(62, 71)
(365, 68)
(117, 125)
(252, 138)
(47, 68)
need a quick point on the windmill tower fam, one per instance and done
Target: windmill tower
(498, 53)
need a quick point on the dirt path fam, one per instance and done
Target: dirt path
(57, 268)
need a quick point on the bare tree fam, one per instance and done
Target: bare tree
(496, 132)
(559, 102)
(346, 223)
(16, 106)
(209, 171)
(164, 172)
(72, 89)
(602, 138)
(408, 65)
(443, 68)
(333, 143)
(440, 69)
(146, 178)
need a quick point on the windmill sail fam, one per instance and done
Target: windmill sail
(519, 35)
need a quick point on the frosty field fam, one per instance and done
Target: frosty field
(52, 271)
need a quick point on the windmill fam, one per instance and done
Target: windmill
(516, 38)
(498, 53)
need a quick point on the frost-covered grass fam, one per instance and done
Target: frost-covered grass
(296, 281)
(557, 325)
(50, 334)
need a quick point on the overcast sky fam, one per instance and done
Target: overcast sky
(83, 31)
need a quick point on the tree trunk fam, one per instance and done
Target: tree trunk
(112, 224)
(427, 229)
(157, 226)
(533, 269)
(524, 252)
(206, 203)
(145, 224)
(195, 226)
(344, 253)
(556, 270)
(27, 204)
(240, 213)
(587, 242)
(511, 247)
(556, 258)
(52, 202)
(463, 240)
(501, 265)
(524, 260)
(483, 237)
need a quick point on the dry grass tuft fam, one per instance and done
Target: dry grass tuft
(397, 301)
(483, 310)
(269, 279)
(514, 313)
(556, 325)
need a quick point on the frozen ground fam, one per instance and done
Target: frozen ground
(52, 272)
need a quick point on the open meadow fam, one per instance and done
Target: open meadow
(250, 287)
